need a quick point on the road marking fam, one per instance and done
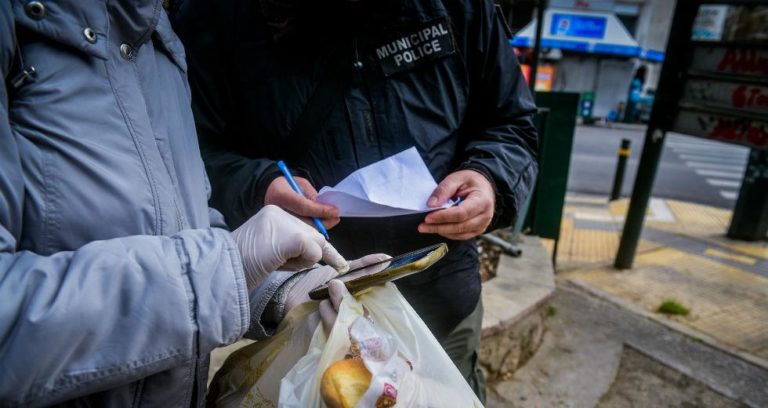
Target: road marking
(678, 146)
(674, 140)
(660, 212)
(731, 195)
(710, 152)
(720, 159)
(678, 138)
(702, 142)
(657, 211)
(595, 217)
(723, 183)
(746, 260)
(575, 199)
(715, 173)
(714, 166)
(688, 140)
(714, 155)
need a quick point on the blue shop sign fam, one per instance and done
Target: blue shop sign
(574, 25)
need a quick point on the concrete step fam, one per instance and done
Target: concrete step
(515, 304)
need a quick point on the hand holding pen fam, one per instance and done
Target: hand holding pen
(281, 194)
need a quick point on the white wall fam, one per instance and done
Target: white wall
(576, 73)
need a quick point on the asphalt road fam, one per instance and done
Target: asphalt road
(691, 169)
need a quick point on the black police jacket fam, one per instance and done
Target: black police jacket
(438, 75)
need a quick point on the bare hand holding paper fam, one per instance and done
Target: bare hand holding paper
(398, 185)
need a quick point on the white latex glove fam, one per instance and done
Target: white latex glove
(273, 239)
(329, 308)
(299, 293)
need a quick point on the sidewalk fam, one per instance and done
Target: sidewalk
(683, 256)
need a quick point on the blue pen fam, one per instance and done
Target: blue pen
(288, 176)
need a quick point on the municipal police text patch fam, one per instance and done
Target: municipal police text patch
(415, 45)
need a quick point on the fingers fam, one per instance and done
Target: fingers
(469, 219)
(337, 290)
(473, 226)
(333, 258)
(444, 191)
(329, 308)
(302, 248)
(471, 207)
(367, 260)
(329, 223)
(463, 237)
(327, 314)
(307, 208)
(465, 221)
(306, 187)
(281, 194)
(312, 247)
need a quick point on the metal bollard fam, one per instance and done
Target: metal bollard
(618, 178)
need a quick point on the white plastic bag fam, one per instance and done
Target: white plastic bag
(434, 382)
(250, 377)
(286, 369)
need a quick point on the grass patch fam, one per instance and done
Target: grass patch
(673, 307)
(551, 310)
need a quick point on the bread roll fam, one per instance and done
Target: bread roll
(344, 383)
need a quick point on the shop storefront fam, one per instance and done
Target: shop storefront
(590, 52)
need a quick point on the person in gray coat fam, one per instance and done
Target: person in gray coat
(116, 279)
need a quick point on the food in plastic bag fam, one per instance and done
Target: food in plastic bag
(404, 359)
(345, 382)
(371, 372)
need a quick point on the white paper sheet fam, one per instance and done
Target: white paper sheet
(397, 185)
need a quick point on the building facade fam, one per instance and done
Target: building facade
(597, 47)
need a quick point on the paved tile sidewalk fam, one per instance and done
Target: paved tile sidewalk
(684, 256)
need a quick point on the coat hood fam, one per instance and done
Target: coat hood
(65, 21)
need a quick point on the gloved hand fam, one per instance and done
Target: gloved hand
(299, 293)
(274, 239)
(329, 308)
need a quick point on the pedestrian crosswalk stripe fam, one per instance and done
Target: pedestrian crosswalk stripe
(683, 139)
(700, 142)
(711, 152)
(720, 164)
(731, 195)
(707, 148)
(714, 155)
(710, 146)
(717, 159)
(723, 183)
(715, 166)
(715, 173)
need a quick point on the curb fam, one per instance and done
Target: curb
(685, 330)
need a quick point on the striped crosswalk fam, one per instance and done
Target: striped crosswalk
(721, 165)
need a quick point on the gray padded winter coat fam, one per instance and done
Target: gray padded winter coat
(116, 280)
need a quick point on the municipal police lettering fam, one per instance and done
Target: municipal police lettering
(333, 86)
(424, 41)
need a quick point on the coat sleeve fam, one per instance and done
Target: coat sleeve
(109, 312)
(239, 180)
(502, 143)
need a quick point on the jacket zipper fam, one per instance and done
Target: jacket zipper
(370, 116)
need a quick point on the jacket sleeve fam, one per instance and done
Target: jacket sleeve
(110, 312)
(239, 180)
(502, 143)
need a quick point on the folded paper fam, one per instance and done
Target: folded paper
(397, 185)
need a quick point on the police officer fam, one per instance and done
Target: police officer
(332, 86)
